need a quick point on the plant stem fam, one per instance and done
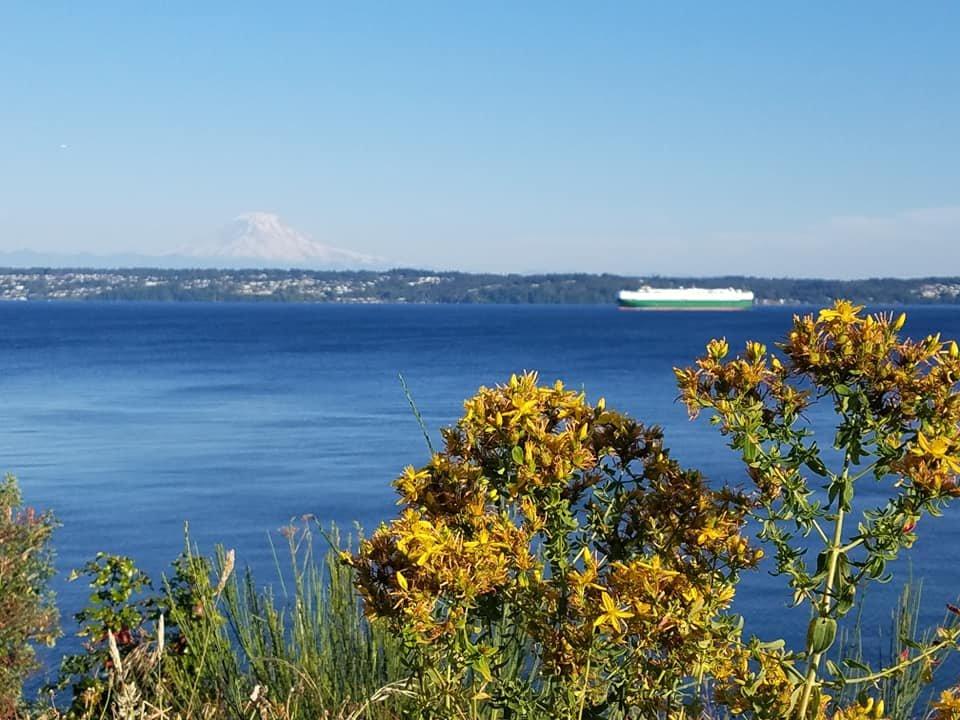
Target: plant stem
(823, 611)
(932, 650)
(851, 545)
(583, 691)
(820, 532)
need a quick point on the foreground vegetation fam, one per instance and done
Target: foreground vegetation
(553, 560)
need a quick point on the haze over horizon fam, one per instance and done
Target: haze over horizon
(702, 140)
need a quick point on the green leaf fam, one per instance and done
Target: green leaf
(845, 601)
(817, 466)
(820, 634)
(847, 497)
(483, 668)
(517, 454)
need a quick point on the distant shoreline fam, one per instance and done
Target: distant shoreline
(427, 286)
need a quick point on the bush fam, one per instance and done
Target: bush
(27, 613)
(897, 410)
(554, 561)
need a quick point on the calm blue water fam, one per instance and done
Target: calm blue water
(131, 419)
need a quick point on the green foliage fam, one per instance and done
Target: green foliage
(897, 408)
(117, 583)
(118, 608)
(27, 614)
(212, 645)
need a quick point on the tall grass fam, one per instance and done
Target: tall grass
(312, 647)
(224, 647)
(907, 694)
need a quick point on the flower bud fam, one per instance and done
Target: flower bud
(878, 709)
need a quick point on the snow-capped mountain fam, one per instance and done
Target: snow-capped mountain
(261, 238)
(251, 240)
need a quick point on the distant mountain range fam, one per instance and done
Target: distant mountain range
(250, 240)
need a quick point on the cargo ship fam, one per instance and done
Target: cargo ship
(649, 298)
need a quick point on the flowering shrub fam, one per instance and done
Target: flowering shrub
(27, 614)
(554, 561)
(898, 420)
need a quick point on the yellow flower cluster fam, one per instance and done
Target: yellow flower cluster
(745, 393)
(911, 388)
(550, 425)
(763, 683)
(569, 523)
(911, 385)
(431, 573)
(756, 682)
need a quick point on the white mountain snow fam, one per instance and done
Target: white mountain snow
(261, 238)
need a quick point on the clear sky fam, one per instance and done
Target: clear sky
(692, 137)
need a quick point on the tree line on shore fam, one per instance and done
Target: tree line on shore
(427, 286)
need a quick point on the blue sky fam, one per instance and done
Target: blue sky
(702, 138)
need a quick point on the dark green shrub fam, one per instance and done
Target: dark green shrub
(119, 606)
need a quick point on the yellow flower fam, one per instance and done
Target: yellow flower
(655, 566)
(869, 709)
(937, 448)
(612, 614)
(709, 534)
(843, 310)
(718, 349)
(948, 706)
